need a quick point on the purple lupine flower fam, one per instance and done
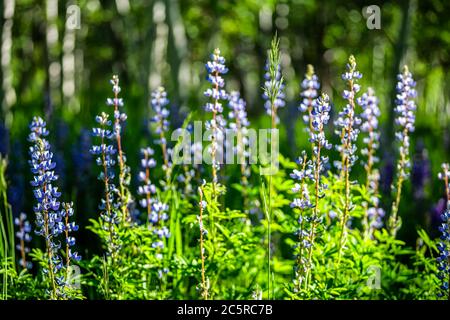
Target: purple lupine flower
(310, 86)
(69, 227)
(347, 122)
(240, 127)
(216, 68)
(159, 102)
(49, 222)
(311, 170)
(158, 218)
(444, 245)
(105, 158)
(147, 188)
(405, 110)
(369, 103)
(124, 198)
(320, 116)
(23, 235)
(301, 202)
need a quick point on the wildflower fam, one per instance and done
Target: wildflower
(216, 68)
(369, 103)
(48, 218)
(240, 128)
(23, 235)
(310, 86)
(147, 188)
(157, 218)
(346, 124)
(405, 110)
(320, 117)
(159, 102)
(302, 203)
(125, 199)
(444, 245)
(69, 227)
(347, 120)
(105, 159)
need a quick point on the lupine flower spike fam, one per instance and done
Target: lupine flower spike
(105, 158)
(444, 245)
(125, 198)
(147, 188)
(159, 102)
(347, 123)
(405, 110)
(23, 235)
(374, 214)
(302, 203)
(310, 86)
(216, 67)
(48, 218)
(158, 218)
(311, 170)
(240, 128)
(67, 212)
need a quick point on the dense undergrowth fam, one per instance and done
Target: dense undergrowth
(308, 230)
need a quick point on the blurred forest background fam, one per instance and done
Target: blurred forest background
(52, 70)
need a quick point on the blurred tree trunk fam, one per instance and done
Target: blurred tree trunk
(8, 95)
(53, 80)
(401, 47)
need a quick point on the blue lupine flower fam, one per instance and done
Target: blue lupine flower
(216, 68)
(117, 103)
(125, 200)
(310, 86)
(320, 115)
(240, 127)
(369, 103)
(159, 102)
(303, 203)
(23, 236)
(69, 227)
(347, 122)
(147, 188)
(105, 159)
(405, 110)
(158, 218)
(312, 170)
(49, 222)
(444, 245)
